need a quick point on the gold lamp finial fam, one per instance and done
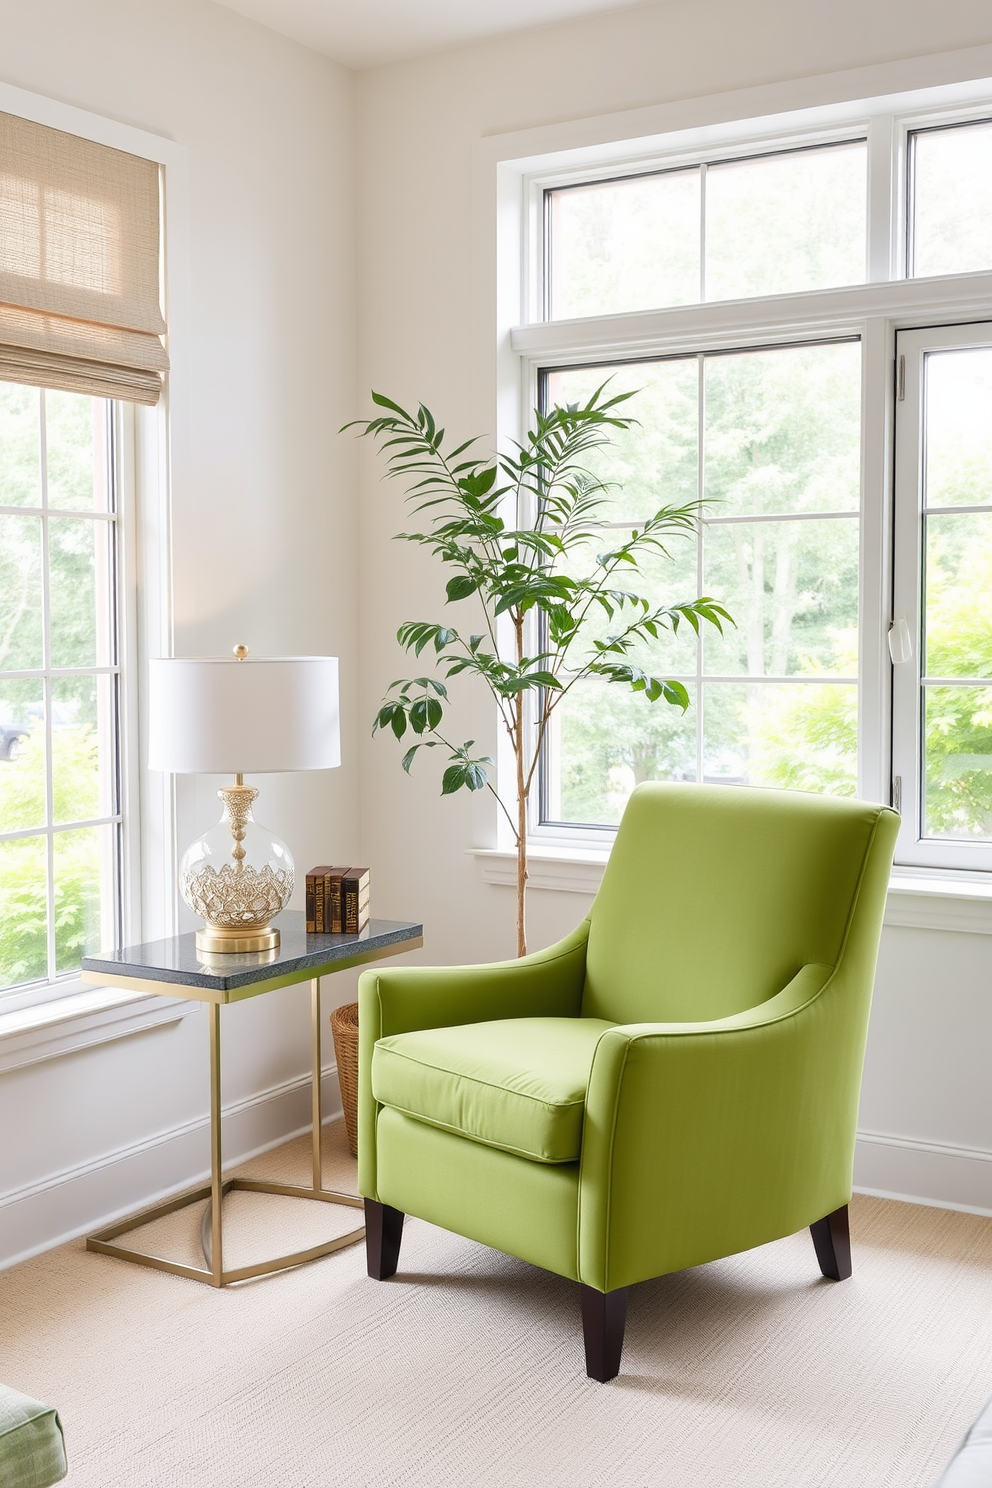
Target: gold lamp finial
(240, 652)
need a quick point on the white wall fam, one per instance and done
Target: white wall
(264, 536)
(421, 276)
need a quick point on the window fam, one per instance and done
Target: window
(764, 224)
(950, 193)
(770, 439)
(60, 798)
(752, 292)
(80, 342)
(942, 693)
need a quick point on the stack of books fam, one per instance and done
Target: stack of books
(337, 900)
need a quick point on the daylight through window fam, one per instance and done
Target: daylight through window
(59, 791)
(770, 441)
(762, 304)
(768, 224)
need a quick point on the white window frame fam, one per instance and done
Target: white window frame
(873, 311)
(46, 1020)
(119, 520)
(914, 848)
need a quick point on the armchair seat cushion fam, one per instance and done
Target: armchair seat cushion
(518, 1084)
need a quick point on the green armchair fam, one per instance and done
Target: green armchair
(675, 1081)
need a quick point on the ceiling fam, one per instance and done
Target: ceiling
(366, 33)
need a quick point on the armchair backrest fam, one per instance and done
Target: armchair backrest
(714, 897)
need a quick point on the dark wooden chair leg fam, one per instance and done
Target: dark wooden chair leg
(603, 1317)
(383, 1233)
(832, 1241)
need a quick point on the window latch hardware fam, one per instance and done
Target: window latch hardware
(901, 381)
(900, 641)
(897, 793)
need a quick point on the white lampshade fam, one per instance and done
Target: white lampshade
(261, 714)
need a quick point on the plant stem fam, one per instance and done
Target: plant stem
(522, 792)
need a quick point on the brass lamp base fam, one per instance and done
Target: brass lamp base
(214, 938)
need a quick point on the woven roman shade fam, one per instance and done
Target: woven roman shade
(79, 265)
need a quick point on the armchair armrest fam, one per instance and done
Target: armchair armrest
(401, 999)
(677, 1113)
(807, 983)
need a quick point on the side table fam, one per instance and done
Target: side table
(176, 968)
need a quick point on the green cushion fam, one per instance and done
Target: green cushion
(518, 1084)
(32, 1453)
(479, 1191)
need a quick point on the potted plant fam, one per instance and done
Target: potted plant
(515, 531)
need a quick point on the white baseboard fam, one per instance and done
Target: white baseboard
(78, 1200)
(931, 1173)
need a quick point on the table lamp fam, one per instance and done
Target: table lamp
(243, 715)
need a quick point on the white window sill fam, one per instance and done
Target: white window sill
(918, 899)
(83, 1017)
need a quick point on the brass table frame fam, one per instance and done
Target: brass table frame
(212, 1227)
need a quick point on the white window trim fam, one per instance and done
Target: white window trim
(43, 1023)
(907, 752)
(918, 899)
(510, 174)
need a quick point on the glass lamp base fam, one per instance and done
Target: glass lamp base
(214, 938)
(237, 877)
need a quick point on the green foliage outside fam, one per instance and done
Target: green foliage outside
(780, 432)
(958, 724)
(77, 567)
(23, 865)
(773, 224)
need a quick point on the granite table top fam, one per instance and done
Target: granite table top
(174, 967)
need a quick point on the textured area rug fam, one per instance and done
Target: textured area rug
(467, 1369)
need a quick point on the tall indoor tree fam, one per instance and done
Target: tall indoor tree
(521, 534)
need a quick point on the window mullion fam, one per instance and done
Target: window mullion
(701, 489)
(907, 723)
(961, 840)
(884, 200)
(702, 233)
(875, 601)
(46, 631)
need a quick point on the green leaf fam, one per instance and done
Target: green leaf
(461, 586)
(532, 679)
(382, 401)
(425, 714)
(407, 759)
(454, 777)
(676, 694)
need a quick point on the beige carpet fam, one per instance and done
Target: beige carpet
(466, 1370)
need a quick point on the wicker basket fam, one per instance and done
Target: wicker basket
(344, 1026)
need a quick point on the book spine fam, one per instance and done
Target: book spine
(335, 916)
(356, 908)
(319, 904)
(310, 897)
